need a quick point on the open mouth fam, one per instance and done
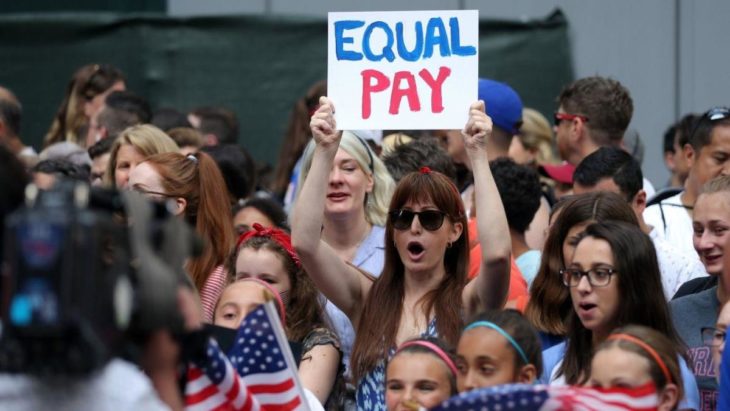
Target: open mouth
(336, 196)
(587, 306)
(415, 249)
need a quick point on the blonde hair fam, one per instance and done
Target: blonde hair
(537, 136)
(146, 139)
(376, 207)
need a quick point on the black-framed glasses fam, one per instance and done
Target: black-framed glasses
(558, 117)
(431, 220)
(713, 337)
(597, 277)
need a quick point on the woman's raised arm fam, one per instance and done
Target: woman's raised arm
(339, 282)
(489, 289)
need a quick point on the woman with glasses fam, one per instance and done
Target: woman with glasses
(613, 280)
(695, 312)
(84, 97)
(549, 305)
(195, 190)
(422, 289)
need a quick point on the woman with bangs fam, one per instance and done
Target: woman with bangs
(422, 290)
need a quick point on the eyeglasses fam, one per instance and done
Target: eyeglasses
(148, 193)
(597, 277)
(558, 117)
(712, 336)
(431, 220)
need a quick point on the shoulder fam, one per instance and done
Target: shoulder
(320, 336)
(551, 359)
(692, 303)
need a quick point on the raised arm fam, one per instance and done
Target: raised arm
(339, 282)
(489, 289)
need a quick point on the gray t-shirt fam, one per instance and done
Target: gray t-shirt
(690, 314)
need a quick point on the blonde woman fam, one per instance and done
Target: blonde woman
(133, 146)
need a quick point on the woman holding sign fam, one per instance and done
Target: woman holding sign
(423, 288)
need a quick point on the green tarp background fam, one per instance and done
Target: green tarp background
(256, 66)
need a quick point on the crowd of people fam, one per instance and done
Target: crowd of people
(410, 266)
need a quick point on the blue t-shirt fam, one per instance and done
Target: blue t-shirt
(528, 263)
(723, 403)
(552, 358)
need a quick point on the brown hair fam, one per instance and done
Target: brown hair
(196, 178)
(86, 83)
(605, 102)
(381, 313)
(663, 346)
(186, 137)
(304, 310)
(549, 305)
(641, 296)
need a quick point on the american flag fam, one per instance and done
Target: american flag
(262, 359)
(547, 398)
(213, 384)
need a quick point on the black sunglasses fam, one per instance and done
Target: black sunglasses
(431, 220)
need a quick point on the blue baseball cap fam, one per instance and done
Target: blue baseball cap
(504, 105)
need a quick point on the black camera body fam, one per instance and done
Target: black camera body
(86, 273)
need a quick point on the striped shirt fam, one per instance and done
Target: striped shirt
(212, 290)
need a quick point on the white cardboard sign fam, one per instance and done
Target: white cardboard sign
(403, 70)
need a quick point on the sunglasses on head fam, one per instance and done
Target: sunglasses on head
(431, 220)
(713, 114)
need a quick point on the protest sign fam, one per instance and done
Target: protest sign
(402, 70)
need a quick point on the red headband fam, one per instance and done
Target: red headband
(272, 290)
(435, 349)
(277, 235)
(646, 347)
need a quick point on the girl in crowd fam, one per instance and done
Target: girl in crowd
(549, 305)
(262, 210)
(498, 347)
(422, 289)
(358, 190)
(420, 374)
(85, 95)
(133, 145)
(266, 256)
(613, 280)
(634, 356)
(692, 313)
(196, 191)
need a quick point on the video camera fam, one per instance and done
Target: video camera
(87, 273)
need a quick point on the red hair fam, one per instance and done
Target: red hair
(197, 179)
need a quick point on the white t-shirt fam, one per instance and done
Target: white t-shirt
(117, 386)
(672, 222)
(676, 266)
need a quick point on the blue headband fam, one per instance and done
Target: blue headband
(499, 329)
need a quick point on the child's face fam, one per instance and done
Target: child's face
(265, 265)
(614, 367)
(416, 379)
(484, 359)
(237, 300)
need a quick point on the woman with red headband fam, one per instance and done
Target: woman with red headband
(423, 288)
(634, 356)
(264, 266)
